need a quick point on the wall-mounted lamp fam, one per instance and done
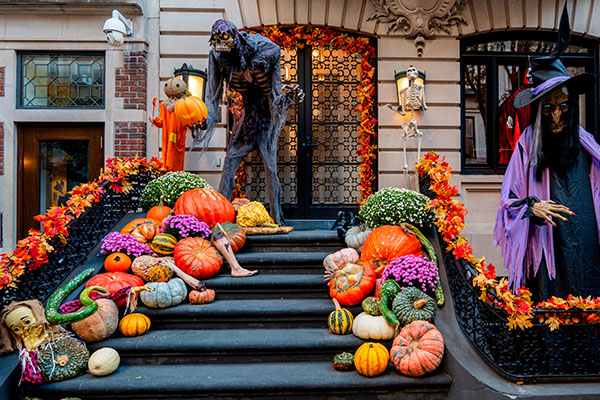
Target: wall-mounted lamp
(195, 79)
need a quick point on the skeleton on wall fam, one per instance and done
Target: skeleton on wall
(412, 97)
(249, 64)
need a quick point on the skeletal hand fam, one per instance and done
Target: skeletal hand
(547, 209)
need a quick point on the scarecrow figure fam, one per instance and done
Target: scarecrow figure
(548, 220)
(249, 64)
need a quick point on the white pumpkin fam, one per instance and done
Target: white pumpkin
(104, 361)
(356, 236)
(336, 260)
(367, 327)
(165, 294)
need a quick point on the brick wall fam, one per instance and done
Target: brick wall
(130, 139)
(2, 81)
(131, 80)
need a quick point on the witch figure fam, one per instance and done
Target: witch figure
(548, 220)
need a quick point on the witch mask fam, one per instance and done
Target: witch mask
(555, 109)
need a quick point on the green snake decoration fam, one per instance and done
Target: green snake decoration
(89, 305)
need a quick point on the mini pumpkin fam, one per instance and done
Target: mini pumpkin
(104, 361)
(352, 283)
(336, 260)
(117, 262)
(135, 324)
(370, 305)
(411, 304)
(343, 361)
(371, 359)
(100, 324)
(418, 349)
(340, 320)
(142, 229)
(202, 297)
(160, 273)
(163, 244)
(367, 327)
(165, 294)
(356, 236)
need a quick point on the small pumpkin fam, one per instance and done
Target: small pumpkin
(115, 281)
(411, 304)
(160, 273)
(142, 229)
(65, 359)
(165, 294)
(159, 213)
(370, 305)
(235, 234)
(239, 202)
(191, 111)
(117, 262)
(135, 324)
(356, 236)
(343, 361)
(352, 283)
(197, 258)
(207, 205)
(367, 327)
(371, 359)
(387, 243)
(100, 324)
(202, 297)
(418, 349)
(340, 320)
(104, 361)
(142, 265)
(336, 260)
(163, 244)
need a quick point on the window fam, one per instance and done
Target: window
(493, 72)
(61, 80)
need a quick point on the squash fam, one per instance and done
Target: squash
(104, 361)
(418, 349)
(205, 204)
(343, 361)
(336, 260)
(235, 235)
(142, 229)
(117, 262)
(340, 320)
(367, 327)
(191, 111)
(370, 305)
(135, 324)
(356, 236)
(99, 325)
(65, 359)
(371, 359)
(352, 283)
(159, 213)
(387, 243)
(202, 297)
(388, 292)
(165, 294)
(163, 244)
(411, 304)
(142, 265)
(197, 258)
(253, 214)
(115, 281)
(160, 273)
(239, 202)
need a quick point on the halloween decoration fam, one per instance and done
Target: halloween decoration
(352, 283)
(191, 111)
(115, 281)
(387, 243)
(336, 260)
(207, 205)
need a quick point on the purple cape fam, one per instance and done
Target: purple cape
(523, 243)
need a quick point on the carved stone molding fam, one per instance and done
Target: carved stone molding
(419, 19)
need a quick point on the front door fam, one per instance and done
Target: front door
(317, 158)
(53, 159)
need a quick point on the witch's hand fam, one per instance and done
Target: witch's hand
(548, 209)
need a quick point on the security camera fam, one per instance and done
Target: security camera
(116, 28)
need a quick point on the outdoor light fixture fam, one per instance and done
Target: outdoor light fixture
(116, 28)
(402, 83)
(193, 78)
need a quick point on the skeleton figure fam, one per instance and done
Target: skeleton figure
(250, 65)
(413, 96)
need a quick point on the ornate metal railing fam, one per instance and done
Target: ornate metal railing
(536, 354)
(84, 234)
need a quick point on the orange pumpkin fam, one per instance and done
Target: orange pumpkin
(235, 235)
(387, 243)
(371, 359)
(207, 205)
(418, 349)
(135, 324)
(191, 111)
(351, 283)
(100, 324)
(198, 297)
(158, 213)
(117, 262)
(113, 282)
(197, 257)
(142, 229)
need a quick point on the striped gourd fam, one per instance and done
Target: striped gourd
(340, 320)
(160, 273)
(164, 244)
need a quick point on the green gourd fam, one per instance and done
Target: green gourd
(413, 305)
(89, 305)
(389, 291)
(63, 359)
(343, 361)
(370, 305)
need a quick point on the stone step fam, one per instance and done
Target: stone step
(308, 262)
(191, 346)
(242, 314)
(309, 380)
(295, 241)
(269, 286)
(310, 224)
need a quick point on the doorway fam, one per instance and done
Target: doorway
(52, 160)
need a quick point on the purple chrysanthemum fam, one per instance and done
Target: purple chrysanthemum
(414, 271)
(116, 242)
(182, 226)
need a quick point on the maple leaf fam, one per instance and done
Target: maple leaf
(553, 322)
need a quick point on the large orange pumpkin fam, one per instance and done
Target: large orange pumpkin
(351, 283)
(235, 234)
(191, 111)
(197, 257)
(387, 243)
(207, 205)
(142, 229)
(115, 281)
(418, 349)
(100, 324)
(158, 213)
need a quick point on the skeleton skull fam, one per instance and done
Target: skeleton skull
(222, 42)
(412, 73)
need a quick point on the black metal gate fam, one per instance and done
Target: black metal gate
(317, 159)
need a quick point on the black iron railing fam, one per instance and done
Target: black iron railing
(84, 234)
(570, 353)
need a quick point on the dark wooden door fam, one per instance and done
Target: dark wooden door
(52, 160)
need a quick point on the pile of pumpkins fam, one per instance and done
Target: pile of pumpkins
(418, 347)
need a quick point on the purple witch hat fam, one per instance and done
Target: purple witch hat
(549, 72)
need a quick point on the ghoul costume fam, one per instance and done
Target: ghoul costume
(249, 64)
(559, 165)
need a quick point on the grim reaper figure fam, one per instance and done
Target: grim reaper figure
(249, 64)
